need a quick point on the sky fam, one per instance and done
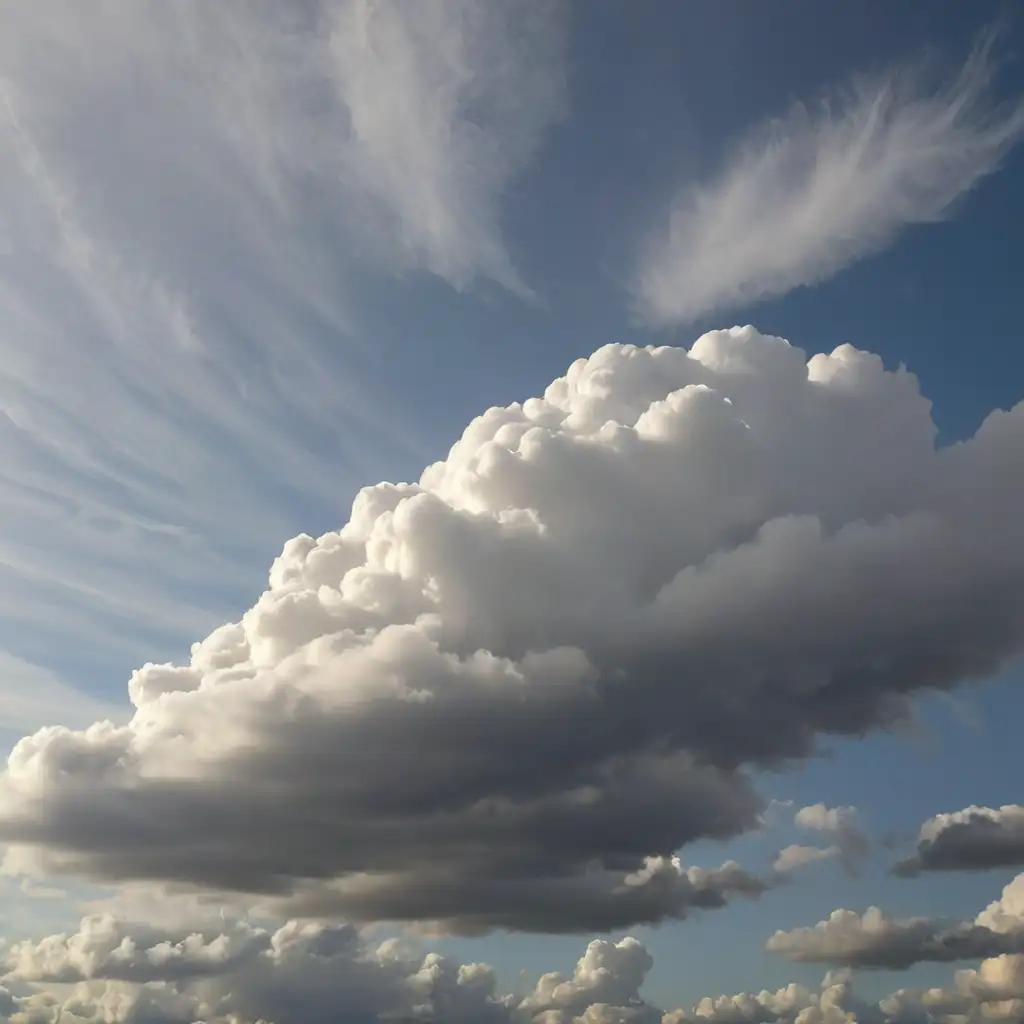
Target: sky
(510, 512)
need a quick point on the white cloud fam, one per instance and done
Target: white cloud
(609, 972)
(814, 191)
(446, 102)
(843, 825)
(793, 857)
(298, 972)
(118, 970)
(498, 697)
(185, 193)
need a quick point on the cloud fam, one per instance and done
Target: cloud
(750, 1008)
(873, 940)
(586, 900)
(834, 1003)
(299, 972)
(111, 948)
(505, 695)
(114, 970)
(974, 839)
(610, 973)
(994, 991)
(188, 195)
(302, 972)
(445, 104)
(793, 857)
(814, 191)
(844, 826)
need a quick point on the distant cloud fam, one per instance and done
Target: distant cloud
(609, 973)
(974, 839)
(841, 824)
(793, 857)
(496, 696)
(295, 973)
(116, 970)
(820, 188)
(874, 940)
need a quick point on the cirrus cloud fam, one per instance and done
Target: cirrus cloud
(814, 191)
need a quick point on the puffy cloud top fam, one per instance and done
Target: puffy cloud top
(873, 939)
(973, 839)
(308, 972)
(504, 695)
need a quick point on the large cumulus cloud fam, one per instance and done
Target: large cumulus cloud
(506, 694)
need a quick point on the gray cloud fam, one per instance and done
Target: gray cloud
(590, 901)
(814, 191)
(495, 694)
(974, 839)
(872, 940)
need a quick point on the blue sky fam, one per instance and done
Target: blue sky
(255, 258)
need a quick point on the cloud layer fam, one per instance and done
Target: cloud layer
(505, 695)
(814, 191)
(303, 973)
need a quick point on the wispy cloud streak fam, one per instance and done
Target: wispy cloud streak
(186, 193)
(812, 192)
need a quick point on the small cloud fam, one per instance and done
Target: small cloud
(791, 858)
(843, 826)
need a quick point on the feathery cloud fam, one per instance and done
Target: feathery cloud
(812, 192)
